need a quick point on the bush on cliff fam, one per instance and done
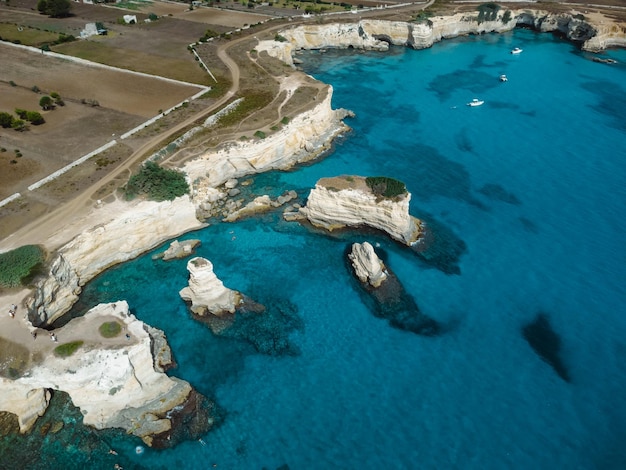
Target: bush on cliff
(67, 349)
(19, 266)
(157, 183)
(383, 186)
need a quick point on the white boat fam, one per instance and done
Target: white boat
(476, 102)
(503, 78)
(516, 50)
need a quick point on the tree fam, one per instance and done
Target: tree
(46, 103)
(6, 119)
(54, 8)
(34, 118)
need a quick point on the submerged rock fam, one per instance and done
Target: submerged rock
(546, 343)
(390, 300)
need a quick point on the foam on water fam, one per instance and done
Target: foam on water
(534, 184)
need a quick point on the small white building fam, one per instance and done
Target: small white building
(130, 19)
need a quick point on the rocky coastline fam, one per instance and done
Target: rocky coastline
(144, 395)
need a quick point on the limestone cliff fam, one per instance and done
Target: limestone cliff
(303, 138)
(367, 265)
(206, 292)
(113, 381)
(131, 231)
(348, 201)
(379, 34)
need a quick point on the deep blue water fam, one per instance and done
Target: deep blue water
(532, 184)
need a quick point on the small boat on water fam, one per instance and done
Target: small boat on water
(503, 78)
(476, 102)
(516, 50)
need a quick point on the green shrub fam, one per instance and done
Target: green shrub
(110, 329)
(284, 120)
(157, 183)
(19, 266)
(259, 134)
(34, 118)
(67, 349)
(6, 119)
(383, 186)
(280, 38)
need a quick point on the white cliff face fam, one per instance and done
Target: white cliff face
(367, 265)
(353, 204)
(206, 292)
(378, 34)
(137, 228)
(113, 381)
(302, 139)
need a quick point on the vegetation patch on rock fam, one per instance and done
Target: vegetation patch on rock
(383, 186)
(67, 349)
(157, 183)
(110, 329)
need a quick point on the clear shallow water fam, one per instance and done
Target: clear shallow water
(534, 184)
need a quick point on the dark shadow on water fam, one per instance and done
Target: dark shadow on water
(529, 225)
(546, 343)
(496, 192)
(436, 175)
(463, 141)
(266, 328)
(474, 81)
(610, 101)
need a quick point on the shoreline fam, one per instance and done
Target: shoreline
(91, 224)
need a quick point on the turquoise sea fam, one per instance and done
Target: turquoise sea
(527, 195)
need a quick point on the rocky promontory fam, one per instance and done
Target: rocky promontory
(115, 379)
(355, 201)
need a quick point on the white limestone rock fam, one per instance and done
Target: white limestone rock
(206, 292)
(367, 265)
(347, 201)
(305, 136)
(178, 250)
(130, 232)
(112, 380)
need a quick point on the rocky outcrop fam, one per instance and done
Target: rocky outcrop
(347, 201)
(259, 205)
(178, 250)
(304, 138)
(134, 229)
(379, 34)
(367, 265)
(113, 381)
(386, 295)
(206, 292)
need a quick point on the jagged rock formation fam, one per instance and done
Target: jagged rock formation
(129, 233)
(378, 34)
(347, 201)
(206, 292)
(305, 137)
(178, 250)
(260, 204)
(367, 265)
(114, 381)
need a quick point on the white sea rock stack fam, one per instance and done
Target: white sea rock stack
(112, 380)
(347, 201)
(305, 136)
(131, 230)
(206, 292)
(367, 265)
